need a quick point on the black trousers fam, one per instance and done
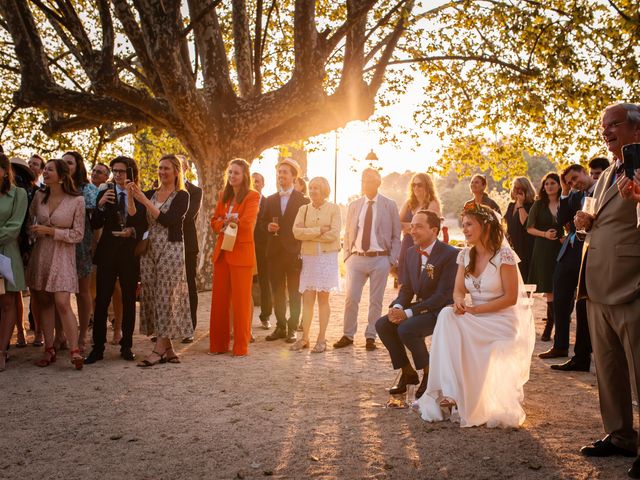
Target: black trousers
(191, 265)
(284, 274)
(565, 282)
(263, 281)
(126, 268)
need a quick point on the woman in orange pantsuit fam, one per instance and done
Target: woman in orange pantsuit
(233, 270)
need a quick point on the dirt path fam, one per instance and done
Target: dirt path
(276, 414)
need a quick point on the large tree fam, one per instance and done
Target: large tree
(235, 77)
(227, 78)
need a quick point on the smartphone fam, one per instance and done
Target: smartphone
(130, 174)
(631, 156)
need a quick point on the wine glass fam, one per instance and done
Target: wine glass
(275, 220)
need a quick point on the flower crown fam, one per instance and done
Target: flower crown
(485, 214)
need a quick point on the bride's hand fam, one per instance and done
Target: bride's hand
(459, 308)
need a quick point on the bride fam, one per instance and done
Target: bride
(481, 353)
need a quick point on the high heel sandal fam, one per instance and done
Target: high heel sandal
(147, 363)
(77, 359)
(447, 405)
(48, 359)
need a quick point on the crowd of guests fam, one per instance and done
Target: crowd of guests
(99, 239)
(558, 239)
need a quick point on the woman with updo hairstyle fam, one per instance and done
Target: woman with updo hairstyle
(522, 197)
(84, 256)
(317, 226)
(233, 269)
(481, 352)
(164, 306)
(422, 195)
(13, 208)
(58, 216)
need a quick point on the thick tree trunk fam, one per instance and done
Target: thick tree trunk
(210, 179)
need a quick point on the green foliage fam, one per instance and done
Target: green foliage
(149, 146)
(543, 70)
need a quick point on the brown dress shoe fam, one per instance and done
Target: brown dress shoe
(343, 342)
(554, 353)
(371, 344)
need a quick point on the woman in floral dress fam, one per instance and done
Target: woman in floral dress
(164, 308)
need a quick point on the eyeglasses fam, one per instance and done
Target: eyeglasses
(118, 170)
(612, 125)
(414, 185)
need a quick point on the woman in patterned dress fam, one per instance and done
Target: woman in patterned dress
(164, 307)
(51, 275)
(84, 257)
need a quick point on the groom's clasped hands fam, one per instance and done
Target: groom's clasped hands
(396, 315)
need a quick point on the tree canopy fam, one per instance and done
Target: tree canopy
(234, 77)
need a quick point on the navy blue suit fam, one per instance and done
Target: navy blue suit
(431, 295)
(565, 282)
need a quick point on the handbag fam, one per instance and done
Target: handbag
(229, 239)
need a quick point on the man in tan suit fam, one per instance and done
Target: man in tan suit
(610, 280)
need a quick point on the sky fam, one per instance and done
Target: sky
(354, 143)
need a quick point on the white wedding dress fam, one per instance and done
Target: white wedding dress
(482, 361)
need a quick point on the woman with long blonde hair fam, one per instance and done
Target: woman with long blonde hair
(164, 308)
(422, 196)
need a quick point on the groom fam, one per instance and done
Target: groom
(431, 272)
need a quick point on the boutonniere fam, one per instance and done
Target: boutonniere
(429, 269)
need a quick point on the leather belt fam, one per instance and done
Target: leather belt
(372, 254)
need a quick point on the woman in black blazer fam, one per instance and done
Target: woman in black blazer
(164, 307)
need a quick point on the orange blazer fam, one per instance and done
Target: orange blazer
(244, 252)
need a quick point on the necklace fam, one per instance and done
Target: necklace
(477, 283)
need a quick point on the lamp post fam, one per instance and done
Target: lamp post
(335, 171)
(371, 157)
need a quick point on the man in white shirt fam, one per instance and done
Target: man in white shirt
(371, 246)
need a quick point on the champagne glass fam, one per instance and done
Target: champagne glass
(589, 208)
(277, 222)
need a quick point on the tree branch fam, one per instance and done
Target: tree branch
(464, 58)
(379, 70)
(242, 47)
(213, 57)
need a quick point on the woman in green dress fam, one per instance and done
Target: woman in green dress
(13, 208)
(543, 225)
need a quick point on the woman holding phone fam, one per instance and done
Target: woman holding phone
(164, 308)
